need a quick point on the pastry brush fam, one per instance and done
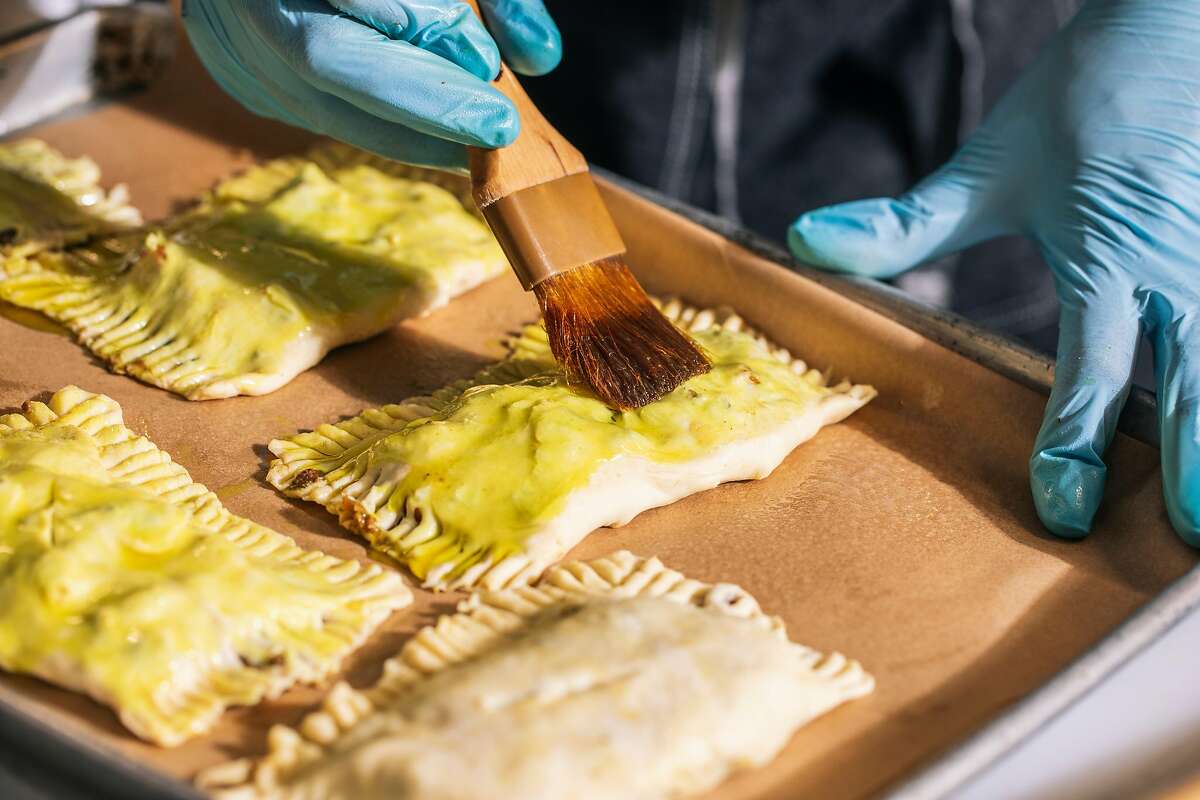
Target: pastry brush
(539, 199)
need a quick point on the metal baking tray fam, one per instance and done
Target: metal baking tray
(54, 759)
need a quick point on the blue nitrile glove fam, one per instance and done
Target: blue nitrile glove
(1095, 155)
(406, 79)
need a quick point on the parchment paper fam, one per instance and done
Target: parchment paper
(904, 537)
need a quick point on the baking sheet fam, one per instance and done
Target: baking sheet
(904, 537)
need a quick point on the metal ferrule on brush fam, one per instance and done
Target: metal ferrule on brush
(553, 227)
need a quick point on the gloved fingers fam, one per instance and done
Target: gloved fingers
(1176, 339)
(351, 125)
(295, 102)
(448, 28)
(884, 237)
(1097, 342)
(526, 33)
(200, 22)
(391, 80)
(334, 117)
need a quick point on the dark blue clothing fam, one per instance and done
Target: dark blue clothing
(762, 109)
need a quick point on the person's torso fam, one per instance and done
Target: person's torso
(762, 109)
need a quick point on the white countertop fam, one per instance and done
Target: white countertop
(1138, 729)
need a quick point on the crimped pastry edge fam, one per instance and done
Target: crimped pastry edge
(163, 357)
(77, 179)
(350, 499)
(124, 336)
(372, 592)
(484, 620)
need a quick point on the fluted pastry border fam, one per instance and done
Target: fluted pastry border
(369, 592)
(481, 623)
(78, 181)
(360, 499)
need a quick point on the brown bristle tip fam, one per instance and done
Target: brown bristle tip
(607, 333)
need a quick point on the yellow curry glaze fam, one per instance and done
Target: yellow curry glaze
(273, 269)
(106, 588)
(500, 459)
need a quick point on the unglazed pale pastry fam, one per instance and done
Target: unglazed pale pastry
(273, 269)
(123, 579)
(48, 200)
(492, 479)
(616, 678)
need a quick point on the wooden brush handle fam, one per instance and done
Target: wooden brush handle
(539, 154)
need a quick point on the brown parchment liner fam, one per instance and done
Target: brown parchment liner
(904, 536)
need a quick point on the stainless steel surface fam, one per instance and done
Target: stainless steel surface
(41, 762)
(1137, 734)
(1036, 710)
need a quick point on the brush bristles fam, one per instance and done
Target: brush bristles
(606, 333)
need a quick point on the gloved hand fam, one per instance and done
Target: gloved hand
(1095, 155)
(406, 79)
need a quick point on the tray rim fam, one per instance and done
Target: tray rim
(105, 772)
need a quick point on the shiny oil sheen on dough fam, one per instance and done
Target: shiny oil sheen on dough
(166, 611)
(500, 476)
(48, 200)
(274, 268)
(611, 680)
